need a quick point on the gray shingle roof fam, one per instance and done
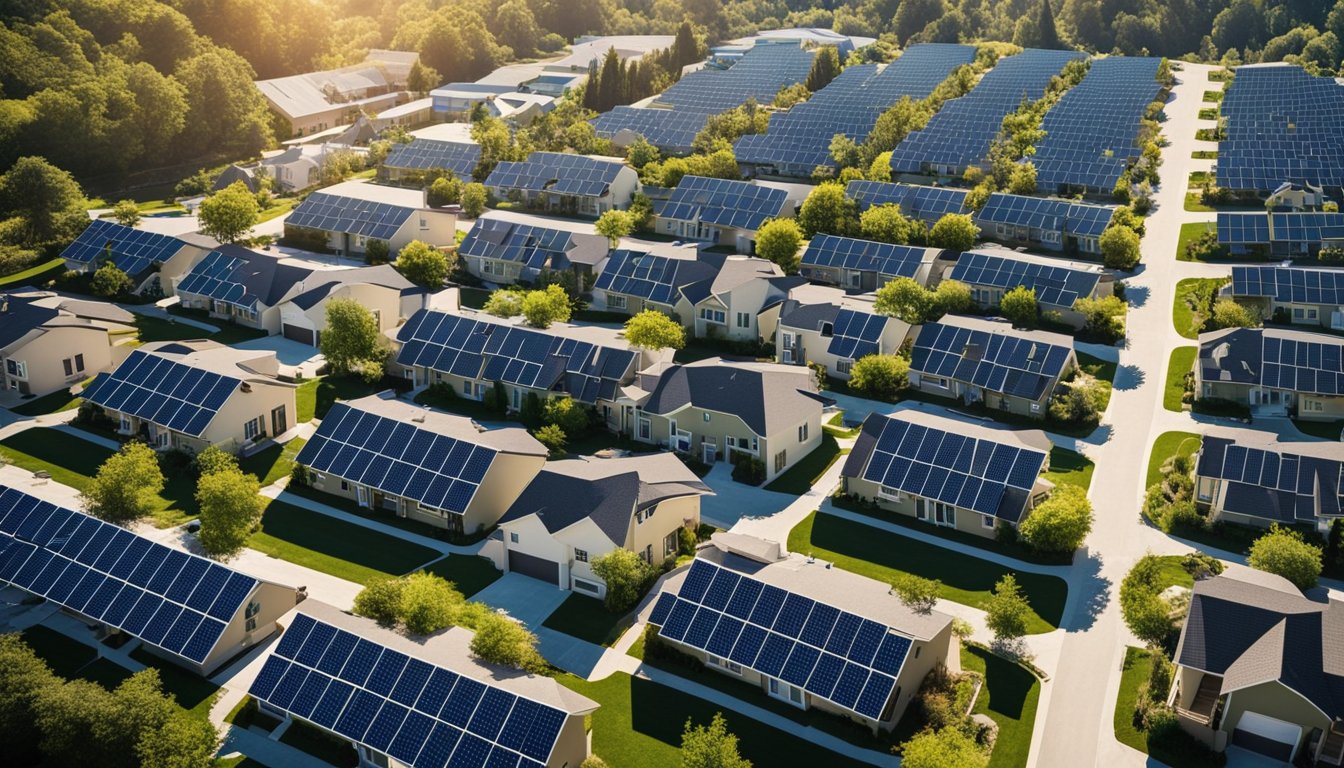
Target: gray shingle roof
(766, 397)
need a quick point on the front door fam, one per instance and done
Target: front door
(278, 421)
(710, 449)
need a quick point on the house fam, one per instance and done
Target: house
(977, 360)
(992, 272)
(1296, 295)
(950, 473)
(196, 612)
(318, 101)
(408, 115)
(835, 333)
(48, 343)
(577, 510)
(719, 211)
(802, 631)
(1259, 667)
(437, 468)
(235, 172)
(503, 251)
(715, 410)
(456, 101)
(553, 84)
(403, 701)
(343, 218)
(655, 278)
(413, 160)
(1251, 478)
(382, 290)
(556, 182)
(925, 203)
(190, 395)
(152, 261)
(1054, 224)
(1282, 234)
(300, 166)
(727, 307)
(865, 265)
(1273, 371)
(1298, 195)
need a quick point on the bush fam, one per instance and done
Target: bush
(918, 594)
(748, 469)
(881, 377)
(571, 416)
(1119, 248)
(126, 486)
(1206, 248)
(626, 576)
(110, 282)
(1230, 314)
(1019, 307)
(552, 437)
(1284, 552)
(1006, 611)
(501, 640)
(1104, 318)
(1061, 523)
(1145, 612)
(381, 601)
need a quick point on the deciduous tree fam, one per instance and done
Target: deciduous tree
(1019, 307)
(880, 377)
(127, 485)
(543, 307)
(351, 339)
(614, 225)
(954, 231)
(1061, 523)
(904, 299)
(1007, 610)
(651, 329)
(423, 265)
(778, 240)
(228, 214)
(230, 508)
(625, 575)
(710, 746)
(1283, 551)
(126, 213)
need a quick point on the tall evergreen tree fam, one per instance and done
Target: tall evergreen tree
(825, 67)
(685, 50)
(610, 81)
(1048, 34)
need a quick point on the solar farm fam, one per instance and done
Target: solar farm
(928, 204)
(1281, 124)
(132, 250)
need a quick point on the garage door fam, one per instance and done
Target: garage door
(529, 565)
(1267, 736)
(296, 333)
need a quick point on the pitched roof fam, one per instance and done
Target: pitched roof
(1285, 482)
(1279, 358)
(767, 397)
(992, 354)
(321, 283)
(244, 277)
(20, 316)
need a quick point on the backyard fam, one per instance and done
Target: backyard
(274, 462)
(315, 397)
(1069, 468)
(1182, 361)
(336, 547)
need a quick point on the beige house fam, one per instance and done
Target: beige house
(318, 101)
(719, 211)
(992, 271)
(1249, 477)
(48, 343)
(1298, 295)
(1273, 371)
(410, 461)
(504, 251)
(727, 307)
(632, 281)
(834, 332)
(152, 261)
(826, 639)
(190, 395)
(577, 510)
(381, 290)
(1259, 668)
(300, 166)
(717, 410)
(949, 473)
(865, 265)
(343, 218)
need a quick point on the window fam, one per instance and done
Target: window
(672, 543)
(345, 486)
(1313, 405)
(615, 301)
(645, 429)
(513, 538)
(725, 664)
(79, 363)
(517, 399)
(424, 222)
(252, 428)
(250, 625)
(581, 555)
(466, 388)
(743, 320)
(827, 330)
(781, 460)
(1035, 407)
(717, 316)
(69, 366)
(987, 521)
(487, 267)
(844, 366)
(17, 368)
(125, 424)
(705, 416)
(802, 433)
(584, 585)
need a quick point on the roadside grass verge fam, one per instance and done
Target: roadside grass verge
(1009, 697)
(1190, 231)
(1193, 303)
(1166, 445)
(1182, 360)
(1070, 468)
(1138, 666)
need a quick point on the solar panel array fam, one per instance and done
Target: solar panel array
(928, 204)
(215, 277)
(862, 256)
(1310, 367)
(1047, 214)
(166, 597)
(972, 473)
(459, 157)
(1275, 484)
(759, 74)
(856, 334)
(1057, 287)
(960, 134)
(999, 362)
(799, 140)
(479, 350)
(397, 458)
(531, 246)
(132, 250)
(1309, 227)
(557, 172)
(670, 130)
(154, 388)
(1243, 228)
(423, 715)
(1282, 124)
(1290, 285)
(636, 273)
(722, 202)
(1092, 132)
(334, 213)
(839, 656)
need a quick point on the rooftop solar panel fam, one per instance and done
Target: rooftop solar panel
(556, 172)
(166, 392)
(1243, 228)
(1289, 285)
(531, 246)
(760, 73)
(1281, 124)
(1047, 214)
(1057, 287)
(217, 278)
(856, 334)
(886, 259)
(997, 362)
(1279, 485)
(672, 131)
(334, 213)
(1307, 367)
(722, 202)
(132, 250)
(928, 204)
(635, 273)
(419, 154)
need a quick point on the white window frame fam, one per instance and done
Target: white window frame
(743, 320)
(844, 366)
(715, 316)
(615, 301)
(987, 521)
(513, 537)
(802, 432)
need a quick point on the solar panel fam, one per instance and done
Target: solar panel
(465, 722)
(928, 204)
(1299, 365)
(556, 172)
(1057, 287)
(533, 247)
(333, 213)
(1005, 363)
(132, 250)
(219, 277)
(722, 203)
(856, 334)
(1243, 229)
(672, 131)
(884, 259)
(760, 73)
(1281, 124)
(168, 393)
(64, 556)
(1289, 285)
(1067, 217)
(644, 275)
(458, 157)
(1281, 485)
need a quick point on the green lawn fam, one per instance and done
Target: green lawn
(835, 427)
(1166, 446)
(588, 619)
(1204, 154)
(1009, 696)
(1138, 666)
(316, 396)
(1194, 201)
(1101, 370)
(382, 517)
(882, 555)
(52, 402)
(1330, 430)
(345, 550)
(1189, 308)
(800, 478)
(280, 206)
(275, 462)
(1070, 468)
(35, 274)
(1189, 232)
(471, 573)
(1182, 360)
(159, 329)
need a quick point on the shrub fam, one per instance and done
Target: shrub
(1145, 612)
(748, 469)
(1018, 306)
(1119, 247)
(126, 486)
(1230, 314)
(380, 601)
(1205, 248)
(881, 377)
(501, 640)
(552, 437)
(571, 416)
(1061, 523)
(1006, 611)
(778, 240)
(1283, 551)
(625, 575)
(918, 594)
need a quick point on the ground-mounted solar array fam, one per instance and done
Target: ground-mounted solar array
(722, 202)
(531, 246)
(1282, 124)
(759, 75)
(856, 334)
(132, 250)
(1310, 367)
(998, 362)
(1290, 285)
(928, 204)
(166, 597)
(334, 213)
(960, 134)
(670, 130)
(458, 157)
(1056, 286)
(887, 259)
(1277, 485)
(1092, 132)
(216, 278)
(166, 392)
(558, 173)
(479, 350)
(1046, 214)
(423, 715)
(397, 458)
(646, 275)
(842, 657)
(799, 140)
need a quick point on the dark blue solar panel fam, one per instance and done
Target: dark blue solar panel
(662, 608)
(357, 715)
(460, 158)
(744, 598)
(132, 250)
(491, 713)
(438, 747)
(774, 652)
(556, 173)
(679, 621)
(701, 627)
(131, 390)
(748, 645)
(472, 752)
(875, 695)
(333, 213)
(793, 615)
(768, 605)
(411, 738)
(309, 695)
(385, 674)
(269, 676)
(697, 581)
(385, 726)
(333, 701)
(799, 666)
(466, 695)
(849, 685)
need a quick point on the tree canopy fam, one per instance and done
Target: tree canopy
(126, 487)
(352, 342)
(651, 329)
(423, 264)
(228, 214)
(778, 240)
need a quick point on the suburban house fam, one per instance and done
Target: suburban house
(1251, 478)
(456, 101)
(927, 204)
(190, 395)
(425, 701)
(382, 290)
(992, 272)
(835, 334)
(421, 156)
(865, 265)
(151, 260)
(343, 218)
(977, 360)
(719, 211)
(438, 468)
(802, 631)
(716, 409)
(1259, 668)
(1285, 234)
(502, 251)
(632, 281)
(1054, 224)
(318, 101)
(577, 510)
(1296, 295)
(300, 166)
(727, 307)
(958, 474)
(48, 343)
(1273, 371)
(196, 612)
(557, 182)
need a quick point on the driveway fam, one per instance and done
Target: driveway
(733, 501)
(524, 598)
(291, 353)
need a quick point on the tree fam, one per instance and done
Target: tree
(614, 225)
(552, 437)
(428, 603)
(1007, 611)
(651, 329)
(375, 251)
(501, 640)
(568, 414)
(625, 575)
(228, 214)
(827, 211)
(126, 213)
(516, 27)
(445, 190)
(778, 240)
(918, 594)
(641, 211)
(110, 282)
(1103, 317)
(947, 747)
(45, 201)
(1061, 523)
(954, 231)
(1119, 248)
(351, 340)
(1145, 612)
(504, 302)
(640, 153)
(1047, 35)
(230, 508)
(381, 601)
(914, 15)
(825, 66)
(904, 299)
(1284, 552)
(952, 296)
(1227, 313)
(423, 265)
(710, 747)
(127, 485)
(880, 377)
(473, 200)
(1019, 307)
(546, 306)
(22, 675)
(886, 224)
(1022, 181)
(181, 741)
(422, 79)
